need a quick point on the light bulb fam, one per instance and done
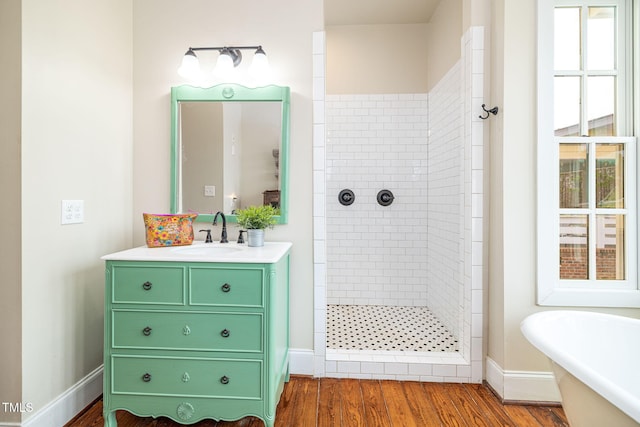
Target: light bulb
(224, 66)
(260, 65)
(190, 67)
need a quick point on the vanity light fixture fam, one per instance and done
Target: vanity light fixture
(229, 58)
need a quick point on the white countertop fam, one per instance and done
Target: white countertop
(206, 252)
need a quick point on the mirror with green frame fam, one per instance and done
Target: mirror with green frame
(229, 149)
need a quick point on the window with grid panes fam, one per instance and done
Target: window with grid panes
(587, 252)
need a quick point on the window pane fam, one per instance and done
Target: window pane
(574, 176)
(566, 38)
(601, 105)
(610, 176)
(566, 106)
(574, 246)
(601, 45)
(610, 247)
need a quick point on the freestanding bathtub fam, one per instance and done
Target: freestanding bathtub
(596, 363)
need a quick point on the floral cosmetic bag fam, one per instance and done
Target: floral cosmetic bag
(168, 230)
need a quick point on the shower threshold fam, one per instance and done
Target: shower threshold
(385, 356)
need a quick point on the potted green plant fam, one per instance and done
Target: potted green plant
(255, 219)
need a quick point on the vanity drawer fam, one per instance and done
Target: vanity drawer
(148, 285)
(187, 377)
(226, 287)
(241, 332)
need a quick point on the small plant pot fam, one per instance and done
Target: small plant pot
(255, 237)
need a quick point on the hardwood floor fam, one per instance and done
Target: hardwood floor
(328, 402)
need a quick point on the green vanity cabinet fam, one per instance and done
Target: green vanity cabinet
(192, 340)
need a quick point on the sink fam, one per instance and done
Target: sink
(207, 250)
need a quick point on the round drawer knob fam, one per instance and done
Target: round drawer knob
(146, 377)
(225, 333)
(146, 286)
(224, 380)
(146, 331)
(226, 287)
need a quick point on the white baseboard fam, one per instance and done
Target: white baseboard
(66, 406)
(522, 385)
(301, 361)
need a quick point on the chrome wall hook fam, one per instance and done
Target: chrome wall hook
(493, 111)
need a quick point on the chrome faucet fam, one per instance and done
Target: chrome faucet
(223, 237)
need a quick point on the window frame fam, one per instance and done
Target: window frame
(551, 290)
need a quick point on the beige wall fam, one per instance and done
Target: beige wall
(512, 238)
(261, 130)
(495, 303)
(10, 254)
(443, 40)
(76, 144)
(394, 58)
(376, 59)
(163, 30)
(202, 155)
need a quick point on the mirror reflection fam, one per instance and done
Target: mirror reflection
(230, 155)
(229, 149)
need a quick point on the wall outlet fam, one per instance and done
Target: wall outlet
(72, 212)
(209, 190)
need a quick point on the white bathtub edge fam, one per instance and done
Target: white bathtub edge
(531, 386)
(536, 327)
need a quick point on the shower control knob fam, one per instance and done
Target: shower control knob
(385, 197)
(346, 197)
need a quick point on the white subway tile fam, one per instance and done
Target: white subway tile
(348, 367)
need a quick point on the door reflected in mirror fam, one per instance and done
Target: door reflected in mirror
(229, 149)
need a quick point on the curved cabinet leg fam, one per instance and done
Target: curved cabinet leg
(110, 419)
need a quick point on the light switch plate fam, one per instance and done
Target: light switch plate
(209, 190)
(72, 212)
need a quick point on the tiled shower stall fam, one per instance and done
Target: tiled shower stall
(413, 268)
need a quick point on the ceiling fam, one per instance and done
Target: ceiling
(370, 12)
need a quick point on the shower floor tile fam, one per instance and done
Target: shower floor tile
(378, 327)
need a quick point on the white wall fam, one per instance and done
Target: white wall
(76, 144)
(377, 255)
(163, 30)
(445, 206)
